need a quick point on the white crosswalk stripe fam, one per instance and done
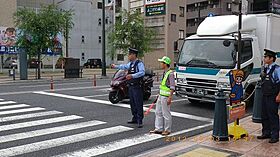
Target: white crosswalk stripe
(13, 106)
(7, 102)
(19, 136)
(38, 122)
(23, 149)
(22, 110)
(27, 116)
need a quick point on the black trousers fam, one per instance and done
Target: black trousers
(270, 117)
(136, 103)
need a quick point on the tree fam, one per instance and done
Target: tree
(38, 30)
(130, 31)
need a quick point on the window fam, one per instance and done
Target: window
(83, 39)
(247, 52)
(181, 34)
(173, 17)
(182, 11)
(99, 39)
(229, 6)
(120, 57)
(191, 22)
(99, 22)
(99, 5)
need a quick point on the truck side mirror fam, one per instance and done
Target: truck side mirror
(175, 45)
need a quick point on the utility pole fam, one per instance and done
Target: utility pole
(103, 41)
(239, 34)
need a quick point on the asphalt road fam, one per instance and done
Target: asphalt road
(76, 119)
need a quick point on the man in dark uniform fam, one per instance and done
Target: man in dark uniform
(271, 97)
(136, 72)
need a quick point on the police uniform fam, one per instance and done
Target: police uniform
(270, 89)
(137, 70)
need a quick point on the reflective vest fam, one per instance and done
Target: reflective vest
(164, 90)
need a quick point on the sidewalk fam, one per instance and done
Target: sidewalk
(203, 146)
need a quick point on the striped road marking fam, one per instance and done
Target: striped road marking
(124, 143)
(7, 102)
(22, 110)
(13, 106)
(48, 131)
(28, 148)
(27, 116)
(38, 122)
(176, 114)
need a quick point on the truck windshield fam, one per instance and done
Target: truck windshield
(208, 53)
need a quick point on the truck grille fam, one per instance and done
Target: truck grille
(201, 82)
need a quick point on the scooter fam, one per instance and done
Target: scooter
(119, 86)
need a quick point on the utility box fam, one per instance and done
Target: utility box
(72, 68)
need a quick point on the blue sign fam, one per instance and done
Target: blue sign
(8, 49)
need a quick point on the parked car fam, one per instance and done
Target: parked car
(93, 63)
(10, 62)
(34, 63)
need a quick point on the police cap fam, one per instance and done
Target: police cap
(269, 53)
(132, 50)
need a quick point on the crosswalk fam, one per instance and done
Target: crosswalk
(26, 130)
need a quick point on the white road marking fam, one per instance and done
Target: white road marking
(27, 116)
(13, 106)
(57, 84)
(94, 96)
(124, 143)
(32, 147)
(176, 114)
(1, 99)
(22, 110)
(47, 131)
(38, 122)
(179, 100)
(7, 102)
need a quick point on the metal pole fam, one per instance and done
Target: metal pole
(103, 41)
(239, 36)
(239, 42)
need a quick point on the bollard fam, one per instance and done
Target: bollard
(52, 87)
(14, 73)
(94, 80)
(220, 127)
(157, 77)
(257, 108)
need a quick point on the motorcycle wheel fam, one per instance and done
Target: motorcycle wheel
(115, 97)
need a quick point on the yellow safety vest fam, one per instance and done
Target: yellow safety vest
(164, 90)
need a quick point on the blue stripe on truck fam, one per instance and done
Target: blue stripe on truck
(202, 71)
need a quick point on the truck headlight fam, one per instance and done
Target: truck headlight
(223, 85)
(181, 80)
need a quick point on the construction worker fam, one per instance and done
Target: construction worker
(163, 119)
(136, 72)
(271, 98)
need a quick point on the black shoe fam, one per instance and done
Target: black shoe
(274, 140)
(262, 137)
(140, 125)
(132, 122)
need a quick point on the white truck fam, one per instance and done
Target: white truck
(206, 58)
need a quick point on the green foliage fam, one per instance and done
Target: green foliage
(130, 31)
(37, 31)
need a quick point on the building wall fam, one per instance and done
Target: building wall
(7, 9)
(86, 19)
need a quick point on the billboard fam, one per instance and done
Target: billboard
(8, 40)
(155, 9)
(150, 2)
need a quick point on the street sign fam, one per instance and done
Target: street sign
(155, 9)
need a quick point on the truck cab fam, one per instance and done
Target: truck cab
(206, 58)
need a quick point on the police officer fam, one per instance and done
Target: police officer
(271, 98)
(136, 72)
